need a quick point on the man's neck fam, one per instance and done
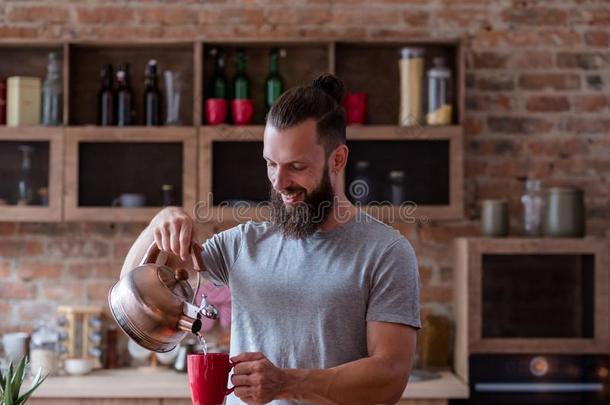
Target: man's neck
(342, 212)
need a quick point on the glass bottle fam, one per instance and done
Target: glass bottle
(152, 95)
(25, 189)
(533, 203)
(411, 69)
(167, 195)
(274, 84)
(241, 82)
(361, 187)
(439, 94)
(397, 189)
(106, 99)
(52, 91)
(173, 92)
(125, 100)
(218, 84)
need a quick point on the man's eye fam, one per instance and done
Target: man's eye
(298, 167)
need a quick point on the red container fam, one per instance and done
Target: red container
(355, 107)
(242, 111)
(216, 111)
(2, 101)
(208, 377)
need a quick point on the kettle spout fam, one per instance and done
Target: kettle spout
(188, 324)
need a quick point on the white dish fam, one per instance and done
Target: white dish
(78, 366)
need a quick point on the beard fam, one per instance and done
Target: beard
(303, 218)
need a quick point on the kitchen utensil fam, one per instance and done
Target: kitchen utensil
(565, 213)
(494, 218)
(208, 377)
(154, 304)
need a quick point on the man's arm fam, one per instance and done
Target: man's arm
(378, 379)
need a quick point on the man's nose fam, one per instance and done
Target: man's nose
(281, 180)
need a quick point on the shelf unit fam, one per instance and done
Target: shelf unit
(486, 265)
(351, 60)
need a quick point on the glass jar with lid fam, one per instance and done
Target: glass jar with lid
(411, 68)
(439, 94)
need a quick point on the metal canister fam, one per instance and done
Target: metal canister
(494, 218)
(565, 213)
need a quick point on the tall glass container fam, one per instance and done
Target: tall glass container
(439, 94)
(411, 68)
(52, 91)
(533, 202)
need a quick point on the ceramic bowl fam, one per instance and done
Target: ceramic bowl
(78, 366)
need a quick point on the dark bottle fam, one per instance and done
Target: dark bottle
(274, 84)
(106, 98)
(167, 195)
(125, 102)
(241, 83)
(152, 96)
(218, 85)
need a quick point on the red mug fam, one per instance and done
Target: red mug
(355, 107)
(216, 111)
(208, 377)
(242, 110)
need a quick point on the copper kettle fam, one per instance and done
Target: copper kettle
(154, 304)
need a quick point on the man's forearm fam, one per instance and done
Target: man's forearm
(372, 380)
(137, 250)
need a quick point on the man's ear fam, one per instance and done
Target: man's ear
(338, 158)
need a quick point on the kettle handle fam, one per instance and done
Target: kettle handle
(153, 251)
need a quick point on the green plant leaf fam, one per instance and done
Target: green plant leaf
(19, 376)
(1, 382)
(7, 396)
(37, 381)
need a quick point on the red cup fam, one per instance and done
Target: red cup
(355, 107)
(208, 377)
(216, 110)
(242, 111)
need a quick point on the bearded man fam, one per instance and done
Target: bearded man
(325, 298)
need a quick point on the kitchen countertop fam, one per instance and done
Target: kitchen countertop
(163, 383)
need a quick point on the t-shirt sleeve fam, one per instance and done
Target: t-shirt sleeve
(220, 252)
(394, 286)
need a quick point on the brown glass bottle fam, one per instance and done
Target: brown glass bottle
(106, 98)
(152, 96)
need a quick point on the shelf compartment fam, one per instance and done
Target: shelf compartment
(86, 60)
(102, 163)
(46, 172)
(381, 81)
(293, 69)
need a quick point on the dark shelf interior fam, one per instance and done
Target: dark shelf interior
(85, 80)
(373, 68)
(239, 172)
(425, 164)
(10, 168)
(538, 295)
(301, 65)
(26, 61)
(109, 169)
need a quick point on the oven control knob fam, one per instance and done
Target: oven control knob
(539, 366)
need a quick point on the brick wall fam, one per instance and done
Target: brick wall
(538, 85)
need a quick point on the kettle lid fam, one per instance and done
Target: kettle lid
(176, 281)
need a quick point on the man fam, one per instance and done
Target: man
(324, 297)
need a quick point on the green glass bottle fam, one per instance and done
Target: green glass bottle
(274, 84)
(218, 84)
(241, 83)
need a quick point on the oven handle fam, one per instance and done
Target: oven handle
(538, 387)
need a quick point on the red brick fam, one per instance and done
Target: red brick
(291, 15)
(231, 16)
(583, 60)
(11, 31)
(368, 16)
(54, 14)
(588, 125)
(490, 60)
(8, 228)
(94, 270)
(498, 82)
(436, 294)
(105, 15)
(35, 311)
(98, 292)
(167, 15)
(535, 16)
(69, 292)
(425, 274)
(16, 290)
(592, 16)
(597, 38)
(79, 248)
(20, 248)
(474, 167)
(516, 125)
(556, 147)
(547, 103)
(415, 18)
(121, 249)
(27, 270)
(473, 126)
(488, 102)
(5, 269)
(461, 17)
(555, 81)
(531, 60)
(590, 103)
(527, 38)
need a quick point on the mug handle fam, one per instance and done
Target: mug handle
(229, 391)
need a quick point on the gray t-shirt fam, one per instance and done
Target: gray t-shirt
(305, 303)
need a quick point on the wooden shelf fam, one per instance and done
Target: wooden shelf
(469, 256)
(53, 137)
(186, 139)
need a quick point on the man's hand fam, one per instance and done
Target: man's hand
(173, 231)
(256, 379)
